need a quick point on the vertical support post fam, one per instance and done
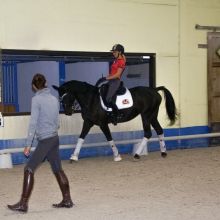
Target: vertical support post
(15, 92)
(1, 78)
(62, 76)
(1, 92)
(62, 72)
(152, 70)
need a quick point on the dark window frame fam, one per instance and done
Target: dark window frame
(18, 55)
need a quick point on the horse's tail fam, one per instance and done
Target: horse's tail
(170, 104)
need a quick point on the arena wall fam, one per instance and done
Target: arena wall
(164, 27)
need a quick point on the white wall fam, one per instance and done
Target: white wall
(193, 61)
(85, 25)
(164, 27)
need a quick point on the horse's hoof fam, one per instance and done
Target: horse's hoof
(163, 154)
(137, 157)
(117, 158)
(74, 158)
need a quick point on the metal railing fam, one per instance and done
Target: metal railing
(134, 141)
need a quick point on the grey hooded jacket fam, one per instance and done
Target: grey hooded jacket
(44, 120)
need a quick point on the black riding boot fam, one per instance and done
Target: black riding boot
(114, 113)
(65, 189)
(22, 205)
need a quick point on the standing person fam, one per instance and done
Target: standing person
(44, 124)
(114, 78)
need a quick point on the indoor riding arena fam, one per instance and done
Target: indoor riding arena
(158, 163)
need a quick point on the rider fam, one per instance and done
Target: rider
(114, 78)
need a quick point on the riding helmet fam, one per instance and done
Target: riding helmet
(118, 47)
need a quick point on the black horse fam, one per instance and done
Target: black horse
(146, 102)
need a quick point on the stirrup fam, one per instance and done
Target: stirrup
(114, 119)
(114, 122)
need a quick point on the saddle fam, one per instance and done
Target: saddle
(122, 98)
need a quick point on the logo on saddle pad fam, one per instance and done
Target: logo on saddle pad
(122, 101)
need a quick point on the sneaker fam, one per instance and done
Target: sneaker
(74, 158)
(117, 158)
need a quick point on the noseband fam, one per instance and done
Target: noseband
(62, 97)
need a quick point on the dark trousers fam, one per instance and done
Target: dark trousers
(112, 89)
(46, 149)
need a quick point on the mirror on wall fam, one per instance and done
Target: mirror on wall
(19, 66)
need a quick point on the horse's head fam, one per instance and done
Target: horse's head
(66, 98)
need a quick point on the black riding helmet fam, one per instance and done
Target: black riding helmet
(118, 47)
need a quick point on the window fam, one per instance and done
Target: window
(19, 66)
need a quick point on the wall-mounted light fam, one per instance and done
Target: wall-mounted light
(146, 57)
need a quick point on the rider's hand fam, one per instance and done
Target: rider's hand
(103, 79)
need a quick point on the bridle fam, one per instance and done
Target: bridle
(75, 105)
(62, 97)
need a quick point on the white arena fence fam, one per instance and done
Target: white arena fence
(134, 141)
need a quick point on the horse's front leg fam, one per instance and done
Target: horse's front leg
(85, 130)
(105, 129)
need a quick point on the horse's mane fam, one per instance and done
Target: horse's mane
(79, 86)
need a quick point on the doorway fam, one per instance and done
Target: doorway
(213, 80)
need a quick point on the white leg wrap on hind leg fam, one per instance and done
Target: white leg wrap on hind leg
(78, 146)
(162, 143)
(141, 146)
(114, 148)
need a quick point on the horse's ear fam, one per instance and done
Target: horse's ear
(55, 87)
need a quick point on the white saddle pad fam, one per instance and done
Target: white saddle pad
(122, 101)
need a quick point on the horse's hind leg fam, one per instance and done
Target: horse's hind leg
(147, 136)
(85, 130)
(105, 129)
(159, 131)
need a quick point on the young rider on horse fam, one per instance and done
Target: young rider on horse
(114, 78)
